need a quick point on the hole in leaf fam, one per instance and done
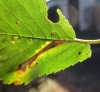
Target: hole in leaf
(53, 15)
(79, 53)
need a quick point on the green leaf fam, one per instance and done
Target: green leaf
(31, 45)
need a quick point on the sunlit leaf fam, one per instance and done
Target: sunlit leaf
(31, 45)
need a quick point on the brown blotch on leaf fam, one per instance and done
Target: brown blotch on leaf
(46, 48)
(79, 53)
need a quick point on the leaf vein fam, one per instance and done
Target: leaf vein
(32, 18)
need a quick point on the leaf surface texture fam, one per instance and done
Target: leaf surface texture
(31, 45)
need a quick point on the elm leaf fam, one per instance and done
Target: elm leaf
(31, 45)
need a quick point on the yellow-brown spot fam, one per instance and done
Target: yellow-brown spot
(20, 72)
(53, 32)
(17, 82)
(17, 22)
(30, 39)
(12, 42)
(20, 36)
(14, 38)
(19, 75)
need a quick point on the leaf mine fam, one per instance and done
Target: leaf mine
(46, 48)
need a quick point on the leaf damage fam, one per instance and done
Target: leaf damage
(49, 46)
(29, 20)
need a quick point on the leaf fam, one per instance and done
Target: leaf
(31, 45)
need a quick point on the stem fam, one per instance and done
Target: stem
(88, 41)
